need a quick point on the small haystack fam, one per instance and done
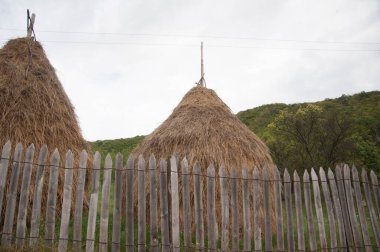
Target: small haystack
(203, 128)
(34, 107)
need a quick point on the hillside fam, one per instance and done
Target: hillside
(306, 134)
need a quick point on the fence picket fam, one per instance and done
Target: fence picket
(288, 209)
(129, 231)
(4, 163)
(319, 210)
(37, 197)
(246, 212)
(175, 203)
(12, 197)
(370, 207)
(52, 198)
(116, 215)
(309, 212)
(141, 217)
(153, 204)
(330, 210)
(24, 196)
(278, 211)
(93, 209)
(234, 209)
(186, 205)
(256, 209)
(267, 210)
(66, 204)
(299, 214)
(211, 219)
(164, 206)
(376, 190)
(78, 212)
(104, 209)
(225, 208)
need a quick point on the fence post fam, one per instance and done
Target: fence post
(5, 155)
(278, 211)
(225, 208)
(129, 231)
(246, 212)
(234, 209)
(175, 203)
(319, 210)
(186, 205)
(288, 209)
(153, 204)
(267, 208)
(164, 206)
(116, 215)
(104, 209)
(309, 212)
(299, 214)
(211, 220)
(141, 217)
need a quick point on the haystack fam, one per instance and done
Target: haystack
(34, 107)
(202, 128)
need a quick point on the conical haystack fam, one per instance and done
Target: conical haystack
(34, 107)
(203, 128)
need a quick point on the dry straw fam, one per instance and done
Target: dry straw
(34, 107)
(203, 128)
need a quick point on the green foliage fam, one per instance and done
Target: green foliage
(122, 145)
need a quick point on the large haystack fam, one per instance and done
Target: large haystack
(203, 128)
(34, 107)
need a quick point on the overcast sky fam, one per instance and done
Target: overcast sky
(126, 64)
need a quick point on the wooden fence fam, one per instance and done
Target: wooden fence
(335, 212)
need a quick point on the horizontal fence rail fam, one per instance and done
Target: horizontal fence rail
(319, 210)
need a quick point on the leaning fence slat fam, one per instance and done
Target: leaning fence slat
(359, 203)
(256, 209)
(12, 196)
(198, 207)
(267, 210)
(351, 206)
(77, 236)
(129, 231)
(330, 210)
(93, 209)
(246, 212)
(343, 202)
(24, 196)
(153, 205)
(288, 209)
(370, 207)
(164, 206)
(376, 190)
(299, 214)
(104, 209)
(225, 208)
(186, 205)
(141, 205)
(309, 212)
(116, 215)
(211, 219)
(66, 204)
(278, 211)
(175, 203)
(5, 155)
(234, 209)
(38, 185)
(319, 210)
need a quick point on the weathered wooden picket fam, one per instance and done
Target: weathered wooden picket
(344, 216)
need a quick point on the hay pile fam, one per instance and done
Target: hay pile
(34, 107)
(202, 127)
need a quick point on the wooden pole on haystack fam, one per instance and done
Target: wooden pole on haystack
(30, 24)
(202, 81)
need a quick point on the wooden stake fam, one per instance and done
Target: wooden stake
(30, 24)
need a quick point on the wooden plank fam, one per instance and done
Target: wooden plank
(4, 163)
(37, 197)
(66, 204)
(343, 203)
(77, 236)
(225, 208)
(186, 205)
(256, 209)
(6, 238)
(211, 219)
(104, 209)
(24, 196)
(164, 206)
(129, 229)
(267, 210)
(359, 203)
(246, 212)
(309, 212)
(234, 209)
(198, 207)
(141, 205)
(319, 210)
(116, 215)
(175, 203)
(351, 207)
(52, 198)
(330, 210)
(288, 209)
(278, 211)
(299, 214)
(371, 208)
(153, 204)
(93, 209)
(376, 190)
